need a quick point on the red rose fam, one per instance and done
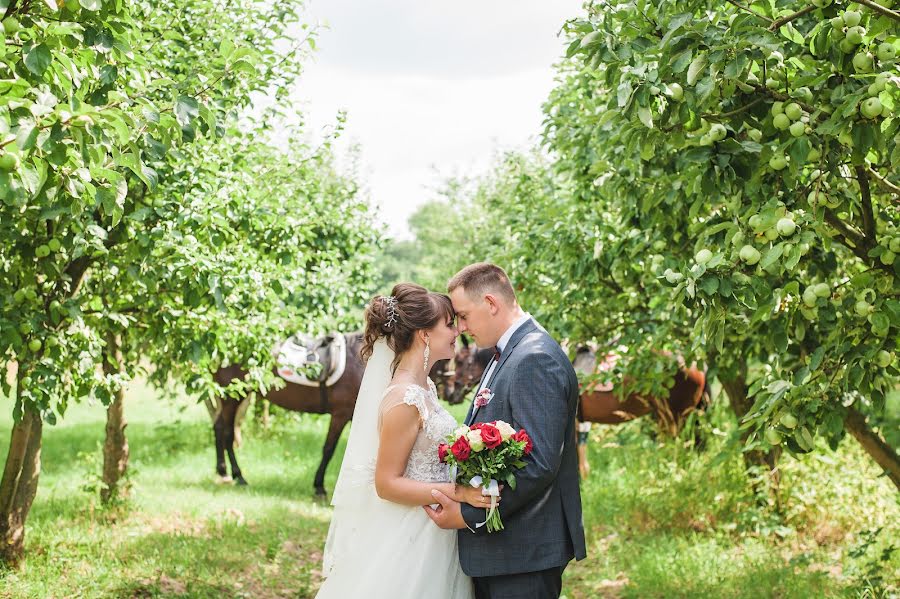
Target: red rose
(442, 452)
(476, 426)
(523, 436)
(491, 436)
(461, 449)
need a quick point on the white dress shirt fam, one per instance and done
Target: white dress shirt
(501, 345)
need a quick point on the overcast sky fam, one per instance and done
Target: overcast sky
(432, 89)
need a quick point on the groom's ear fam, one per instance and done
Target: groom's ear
(492, 302)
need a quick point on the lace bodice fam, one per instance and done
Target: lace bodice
(436, 424)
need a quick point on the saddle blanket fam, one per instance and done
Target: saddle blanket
(300, 364)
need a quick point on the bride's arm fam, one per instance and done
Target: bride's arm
(399, 429)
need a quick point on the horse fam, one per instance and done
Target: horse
(603, 405)
(469, 364)
(600, 405)
(339, 403)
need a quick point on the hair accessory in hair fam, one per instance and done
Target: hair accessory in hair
(391, 302)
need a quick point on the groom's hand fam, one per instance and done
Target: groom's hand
(447, 514)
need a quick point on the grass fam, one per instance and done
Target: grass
(662, 521)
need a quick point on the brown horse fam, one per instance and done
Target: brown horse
(603, 405)
(598, 405)
(468, 366)
(341, 400)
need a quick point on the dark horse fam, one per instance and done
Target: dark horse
(468, 366)
(340, 402)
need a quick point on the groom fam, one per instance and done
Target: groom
(530, 384)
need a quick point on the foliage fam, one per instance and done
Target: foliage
(774, 241)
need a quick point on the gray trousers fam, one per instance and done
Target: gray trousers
(544, 584)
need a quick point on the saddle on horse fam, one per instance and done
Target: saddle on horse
(314, 362)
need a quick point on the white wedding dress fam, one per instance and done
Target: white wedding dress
(377, 549)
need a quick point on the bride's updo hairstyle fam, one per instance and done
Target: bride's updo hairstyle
(397, 317)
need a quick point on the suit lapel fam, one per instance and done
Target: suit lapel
(527, 327)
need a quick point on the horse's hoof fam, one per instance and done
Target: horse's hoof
(223, 479)
(240, 481)
(320, 493)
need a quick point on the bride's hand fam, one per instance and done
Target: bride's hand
(472, 496)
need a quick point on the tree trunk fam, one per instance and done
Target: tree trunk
(883, 454)
(18, 486)
(115, 447)
(767, 461)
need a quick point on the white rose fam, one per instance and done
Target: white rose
(506, 431)
(475, 441)
(461, 432)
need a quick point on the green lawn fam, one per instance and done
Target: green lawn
(662, 521)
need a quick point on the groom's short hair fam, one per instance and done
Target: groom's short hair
(482, 278)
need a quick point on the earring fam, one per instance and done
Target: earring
(427, 353)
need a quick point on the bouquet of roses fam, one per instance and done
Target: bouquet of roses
(486, 451)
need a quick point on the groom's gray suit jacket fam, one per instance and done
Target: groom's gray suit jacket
(535, 388)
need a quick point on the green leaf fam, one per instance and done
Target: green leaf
(37, 59)
(697, 66)
(92, 5)
(186, 110)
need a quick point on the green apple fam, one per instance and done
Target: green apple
(771, 234)
(52, 341)
(863, 62)
(837, 23)
(754, 134)
(777, 162)
(676, 92)
(793, 111)
(749, 254)
(886, 52)
(809, 298)
(870, 108)
(877, 87)
(786, 227)
(718, 132)
(781, 122)
(42, 251)
(862, 307)
(822, 289)
(846, 46)
(11, 25)
(855, 35)
(777, 108)
(884, 358)
(773, 436)
(851, 18)
(9, 162)
(35, 345)
(798, 129)
(54, 245)
(804, 93)
(788, 420)
(814, 155)
(703, 256)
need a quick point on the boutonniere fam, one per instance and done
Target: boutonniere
(483, 398)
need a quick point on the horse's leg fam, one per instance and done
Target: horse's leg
(584, 429)
(238, 419)
(229, 412)
(335, 428)
(219, 432)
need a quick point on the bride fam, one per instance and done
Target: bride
(381, 543)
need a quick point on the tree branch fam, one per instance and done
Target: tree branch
(776, 25)
(884, 181)
(868, 215)
(878, 8)
(746, 9)
(743, 108)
